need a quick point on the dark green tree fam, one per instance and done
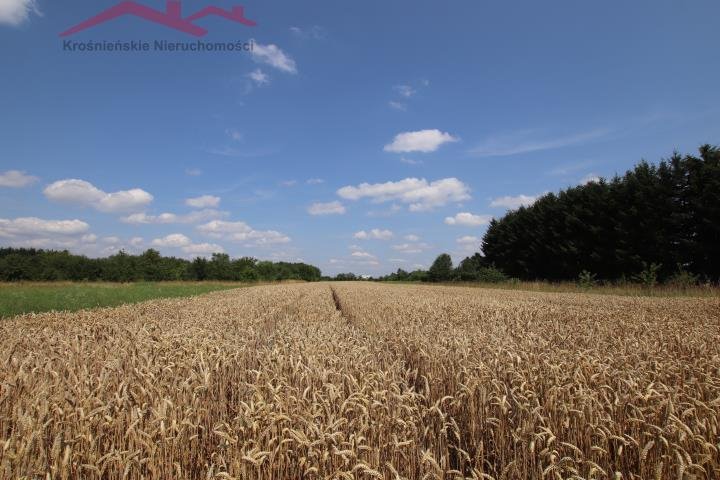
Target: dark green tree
(441, 269)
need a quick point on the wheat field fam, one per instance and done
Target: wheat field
(361, 381)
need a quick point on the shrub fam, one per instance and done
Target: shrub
(491, 275)
(683, 279)
(648, 275)
(587, 279)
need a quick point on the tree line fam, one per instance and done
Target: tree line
(472, 269)
(23, 264)
(654, 223)
(659, 220)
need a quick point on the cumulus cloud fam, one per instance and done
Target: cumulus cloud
(16, 178)
(388, 212)
(419, 194)
(15, 12)
(84, 193)
(329, 208)
(203, 249)
(259, 77)
(468, 244)
(168, 218)
(421, 141)
(361, 254)
(172, 240)
(513, 203)
(242, 232)
(375, 234)
(468, 240)
(204, 201)
(272, 55)
(33, 226)
(465, 219)
(32, 232)
(182, 242)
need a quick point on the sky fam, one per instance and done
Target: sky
(356, 136)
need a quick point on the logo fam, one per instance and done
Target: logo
(171, 17)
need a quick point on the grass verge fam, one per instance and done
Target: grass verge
(16, 299)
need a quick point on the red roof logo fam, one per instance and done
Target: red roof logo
(171, 17)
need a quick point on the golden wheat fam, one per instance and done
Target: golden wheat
(361, 381)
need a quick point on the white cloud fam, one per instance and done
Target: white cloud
(203, 249)
(468, 244)
(361, 254)
(590, 178)
(178, 240)
(389, 212)
(288, 183)
(405, 90)
(193, 172)
(272, 55)
(204, 201)
(513, 203)
(315, 181)
(45, 243)
(168, 218)
(32, 226)
(15, 12)
(89, 238)
(259, 77)
(329, 208)
(420, 141)
(375, 234)
(173, 240)
(468, 240)
(412, 247)
(397, 105)
(412, 238)
(136, 241)
(16, 178)
(242, 232)
(466, 219)
(86, 194)
(418, 193)
(519, 142)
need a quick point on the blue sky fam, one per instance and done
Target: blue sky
(356, 136)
